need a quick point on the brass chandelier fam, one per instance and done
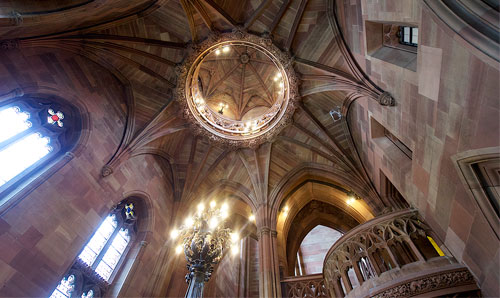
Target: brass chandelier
(204, 239)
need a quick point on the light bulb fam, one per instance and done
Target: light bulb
(178, 249)
(217, 52)
(189, 222)
(350, 201)
(225, 49)
(174, 233)
(234, 249)
(212, 204)
(213, 222)
(224, 214)
(279, 75)
(234, 237)
(286, 208)
(224, 207)
(201, 207)
(251, 218)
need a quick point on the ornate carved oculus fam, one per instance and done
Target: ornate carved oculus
(237, 88)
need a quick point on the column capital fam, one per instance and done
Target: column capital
(267, 230)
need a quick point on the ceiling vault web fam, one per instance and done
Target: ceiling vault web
(257, 13)
(279, 15)
(295, 26)
(223, 14)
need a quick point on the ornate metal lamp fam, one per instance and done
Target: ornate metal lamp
(204, 240)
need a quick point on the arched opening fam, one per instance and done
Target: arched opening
(313, 249)
(35, 131)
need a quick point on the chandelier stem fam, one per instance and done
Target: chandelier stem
(196, 284)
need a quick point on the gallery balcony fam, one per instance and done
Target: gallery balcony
(394, 255)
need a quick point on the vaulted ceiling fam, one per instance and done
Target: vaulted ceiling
(143, 42)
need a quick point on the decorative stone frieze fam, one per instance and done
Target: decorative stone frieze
(420, 286)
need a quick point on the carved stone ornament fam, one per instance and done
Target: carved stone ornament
(426, 284)
(219, 128)
(309, 288)
(9, 44)
(16, 19)
(386, 99)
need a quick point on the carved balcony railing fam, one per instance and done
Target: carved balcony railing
(393, 254)
(304, 286)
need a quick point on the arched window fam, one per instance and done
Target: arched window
(33, 131)
(100, 259)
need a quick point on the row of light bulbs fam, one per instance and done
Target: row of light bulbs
(213, 222)
(224, 49)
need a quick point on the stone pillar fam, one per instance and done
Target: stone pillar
(269, 281)
(359, 275)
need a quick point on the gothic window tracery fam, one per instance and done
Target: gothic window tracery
(65, 288)
(101, 257)
(33, 132)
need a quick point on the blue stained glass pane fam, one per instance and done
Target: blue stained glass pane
(104, 270)
(64, 288)
(12, 122)
(89, 294)
(58, 294)
(99, 240)
(111, 257)
(120, 242)
(88, 256)
(113, 254)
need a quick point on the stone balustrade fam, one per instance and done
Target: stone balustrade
(304, 286)
(387, 252)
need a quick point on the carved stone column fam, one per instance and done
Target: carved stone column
(269, 281)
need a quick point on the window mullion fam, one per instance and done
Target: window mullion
(106, 246)
(17, 137)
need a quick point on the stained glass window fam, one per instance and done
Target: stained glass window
(106, 247)
(65, 287)
(113, 254)
(99, 240)
(23, 139)
(89, 294)
(104, 251)
(13, 122)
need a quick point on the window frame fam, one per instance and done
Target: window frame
(401, 36)
(62, 140)
(86, 277)
(121, 223)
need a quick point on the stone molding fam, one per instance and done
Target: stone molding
(426, 284)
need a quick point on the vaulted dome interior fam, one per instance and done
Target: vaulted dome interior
(143, 136)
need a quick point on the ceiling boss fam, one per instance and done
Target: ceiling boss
(237, 88)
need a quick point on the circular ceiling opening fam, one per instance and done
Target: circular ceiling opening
(238, 89)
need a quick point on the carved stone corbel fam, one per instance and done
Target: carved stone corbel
(9, 44)
(386, 99)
